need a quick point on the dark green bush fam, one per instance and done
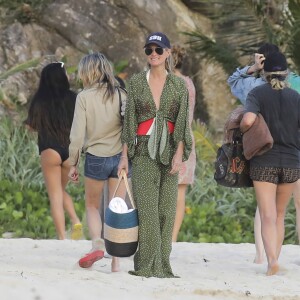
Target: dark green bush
(215, 213)
(25, 212)
(204, 223)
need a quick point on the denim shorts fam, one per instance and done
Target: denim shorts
(102, 168)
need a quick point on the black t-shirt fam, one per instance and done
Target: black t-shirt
(281, 111)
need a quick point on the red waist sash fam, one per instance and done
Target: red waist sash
(144, 128)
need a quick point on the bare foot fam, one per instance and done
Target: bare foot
(273, 268)
(258, 259)
(115, 264)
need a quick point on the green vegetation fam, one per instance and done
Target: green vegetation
(213, 213)
(24, 211)
(19, 68)
(18, 155)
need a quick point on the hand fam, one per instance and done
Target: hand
(73, 174)
(176, 164)
(259, 60)
(123, 164)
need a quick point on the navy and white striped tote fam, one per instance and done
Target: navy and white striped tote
(121, 229)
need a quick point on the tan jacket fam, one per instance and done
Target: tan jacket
(256, 140)
(96, 126)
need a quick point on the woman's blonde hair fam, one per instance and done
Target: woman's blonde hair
(169, 64)
(178, 54)
(277, 79)
(96, 69)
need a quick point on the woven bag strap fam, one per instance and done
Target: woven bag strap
(124, 176)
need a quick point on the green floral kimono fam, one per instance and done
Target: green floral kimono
(154, 188)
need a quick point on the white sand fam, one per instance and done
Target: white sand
(48, 270)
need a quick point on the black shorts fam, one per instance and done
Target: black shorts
(274, 175)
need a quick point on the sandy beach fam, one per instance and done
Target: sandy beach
(48, 270)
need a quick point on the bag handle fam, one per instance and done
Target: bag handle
(124, 176)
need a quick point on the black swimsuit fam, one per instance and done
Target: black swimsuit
(50, 143)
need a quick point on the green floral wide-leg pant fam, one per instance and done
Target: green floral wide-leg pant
(155, 193)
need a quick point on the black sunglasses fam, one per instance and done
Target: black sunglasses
(158, 50)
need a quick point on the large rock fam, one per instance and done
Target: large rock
(69, 29)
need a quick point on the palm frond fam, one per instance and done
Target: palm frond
(241, 26)
(19, 68)
(212, 49)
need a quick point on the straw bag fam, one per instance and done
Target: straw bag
(121, 229)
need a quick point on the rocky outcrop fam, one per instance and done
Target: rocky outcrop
(67, 29)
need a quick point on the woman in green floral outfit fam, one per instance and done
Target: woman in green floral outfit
(157, 138)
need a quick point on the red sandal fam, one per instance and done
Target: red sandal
(88, 260)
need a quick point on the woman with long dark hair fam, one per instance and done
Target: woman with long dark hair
(50, 114)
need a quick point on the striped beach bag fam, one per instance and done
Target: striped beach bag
(121, 229)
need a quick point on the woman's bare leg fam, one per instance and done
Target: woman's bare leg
(284, 193)
(51, 168)
(259, 245)
(266, 199)
(93, 193)
(296, 193)
(180, 211)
